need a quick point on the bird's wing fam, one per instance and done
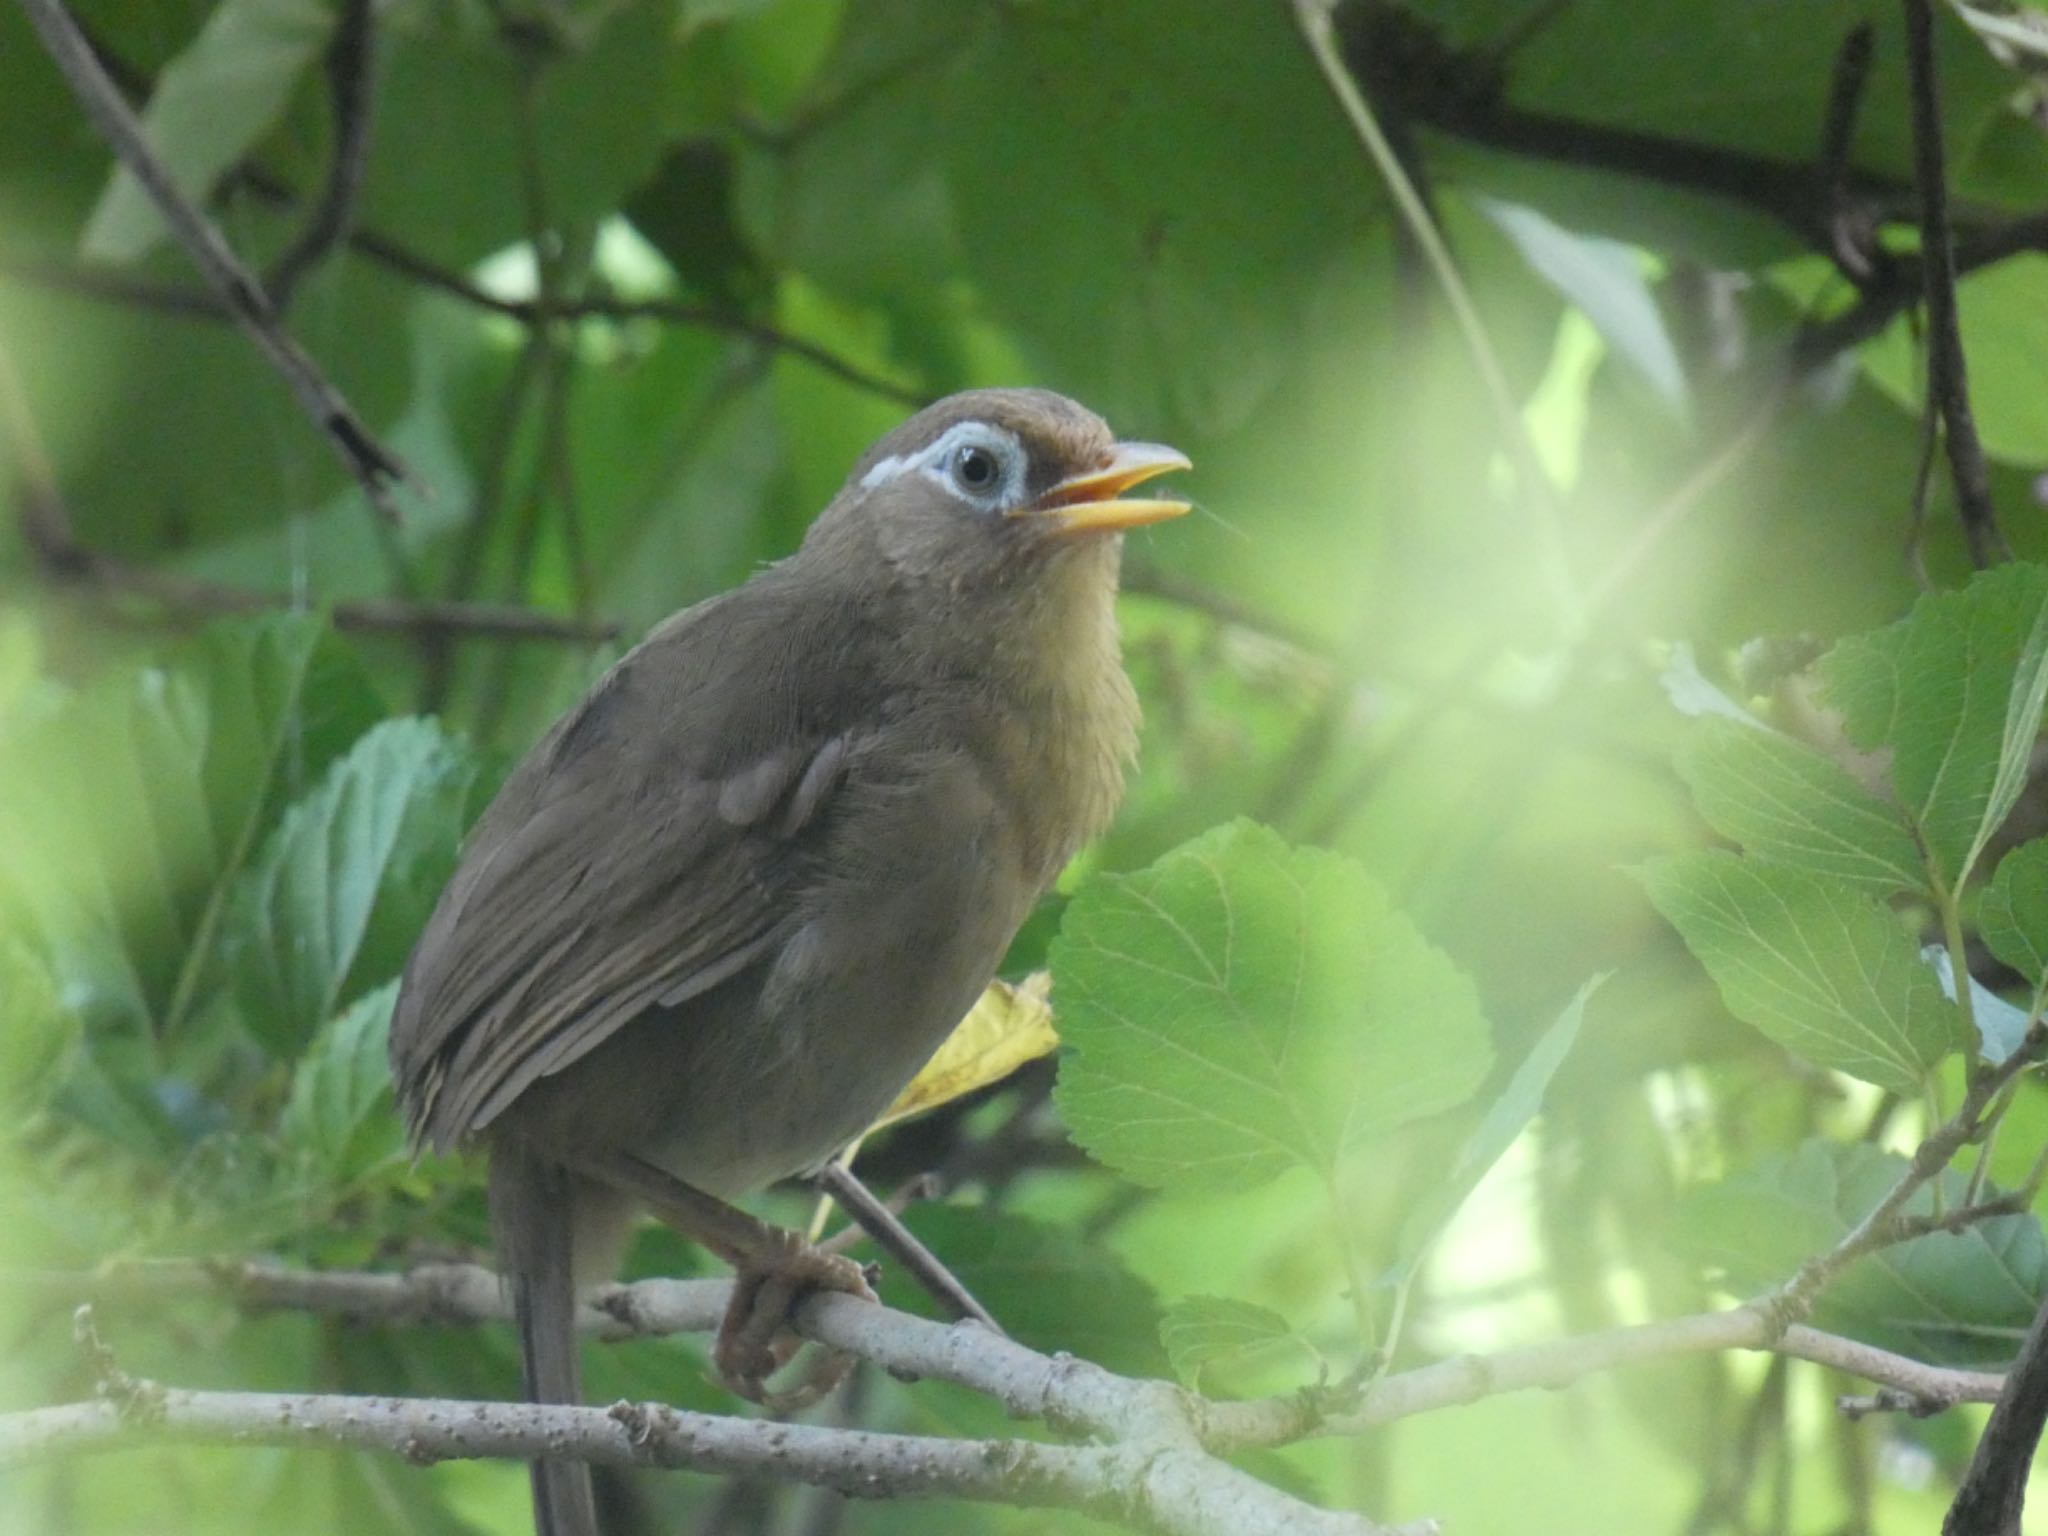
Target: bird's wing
(645, 851)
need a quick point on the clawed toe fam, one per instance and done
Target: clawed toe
(755, 1340)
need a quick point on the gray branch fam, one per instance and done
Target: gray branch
(1067, 1392)
(1146, 1464)
(1151, 1485)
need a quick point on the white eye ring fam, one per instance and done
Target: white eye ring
(974, 469)
(980, 463)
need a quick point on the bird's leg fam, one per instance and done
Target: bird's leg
(773, 1268)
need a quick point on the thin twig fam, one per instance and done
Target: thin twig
(1947, 378)
(1312, 18)
(1852, 232)
(50, 534)
(1885, 1222)
(901, 1244)
(375, 467)
(352, 92)
(494, 477)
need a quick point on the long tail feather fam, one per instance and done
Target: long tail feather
(533, 1207)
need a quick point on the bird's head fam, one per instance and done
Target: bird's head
(990, 484)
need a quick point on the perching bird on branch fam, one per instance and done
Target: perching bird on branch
(726, 908)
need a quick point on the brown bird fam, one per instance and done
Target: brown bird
(730, 903)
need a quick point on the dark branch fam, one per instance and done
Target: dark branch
(417, 269)
(352, 90)
(48, 531)
(1465, 94)
(373, 466)
(1852, 237)
(1994, 1490)
(1947, 379)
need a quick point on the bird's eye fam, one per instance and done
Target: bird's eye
(976, 468)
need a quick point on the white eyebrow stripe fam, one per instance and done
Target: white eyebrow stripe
(929, 458)
(886, 469)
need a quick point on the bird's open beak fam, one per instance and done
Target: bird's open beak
(1092, 502)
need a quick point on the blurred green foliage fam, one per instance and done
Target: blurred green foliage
(634, 281)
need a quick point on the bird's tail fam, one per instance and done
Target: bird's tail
(533, 1208)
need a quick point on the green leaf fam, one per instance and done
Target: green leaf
(2000, 1026)
(1243, 1006)
(210, 106)
(124, 807)
(340, 1110)
(1962, 1298)
(110, 844)
(284, 698)
(1200, 1331)
(1506, 1118)
(1954, 690)
(1609, 283)
(1691, 692)
(2005, 337)
(338, 893)
(2023, 708)
(1162, 306)
(38, 1034)
(1048, 1286)
(1826, 972)
(1787, 802)
(447, 167)
(2013, 913)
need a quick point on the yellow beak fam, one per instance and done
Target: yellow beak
(1091, 502)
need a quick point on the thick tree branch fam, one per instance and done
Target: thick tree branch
(1150, 1472)
(375, 467)
(1070, 1393)
(1172, 1490)
(1993, 1494)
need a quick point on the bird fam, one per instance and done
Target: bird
(725, 908)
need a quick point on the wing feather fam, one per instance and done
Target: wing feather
(648, 849)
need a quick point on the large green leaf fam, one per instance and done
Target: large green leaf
(1783, 800)
(450, 171)
(2005, 337)
(1243, 1006)
(1608, 282)
(1505, 1119)
(1742, 77)
(210, 107)
(1822, 969)
(1083, 152)
(37, 1033)
(1047, 1285)
(1204, 1331)
(340, 1112)
(1955, 690)
(1962, 1298)
(338, 893)
(125, 806)
(2013, 915)
(857, 200)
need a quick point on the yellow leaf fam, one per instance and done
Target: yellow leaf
(1008, 1027)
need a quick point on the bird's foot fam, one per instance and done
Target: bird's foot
(755, 1340)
